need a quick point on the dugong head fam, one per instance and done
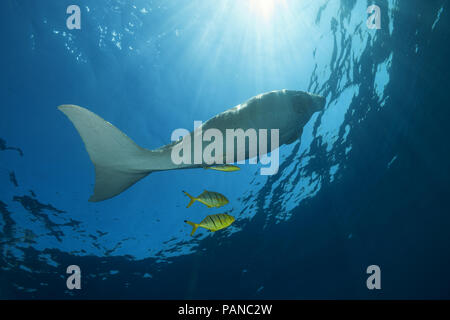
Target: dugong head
(307, 103)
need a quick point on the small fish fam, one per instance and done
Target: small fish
(212, 222)
(209, 198)
(225, 168)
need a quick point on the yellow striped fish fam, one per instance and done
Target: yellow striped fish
(212, 222)
(209, 198)
(225, 168)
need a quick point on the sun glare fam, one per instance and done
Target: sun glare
(263, 8)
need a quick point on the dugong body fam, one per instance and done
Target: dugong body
(119, 162)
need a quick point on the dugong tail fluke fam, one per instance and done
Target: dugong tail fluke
(119, 162)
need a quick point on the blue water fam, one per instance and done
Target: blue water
(367, 183)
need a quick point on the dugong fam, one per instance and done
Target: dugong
(119, 162)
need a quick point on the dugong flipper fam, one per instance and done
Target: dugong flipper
(119, 162)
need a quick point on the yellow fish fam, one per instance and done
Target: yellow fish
(225, 168)
(209, 198)
(213, 222)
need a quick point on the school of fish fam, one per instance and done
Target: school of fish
(213, 199)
